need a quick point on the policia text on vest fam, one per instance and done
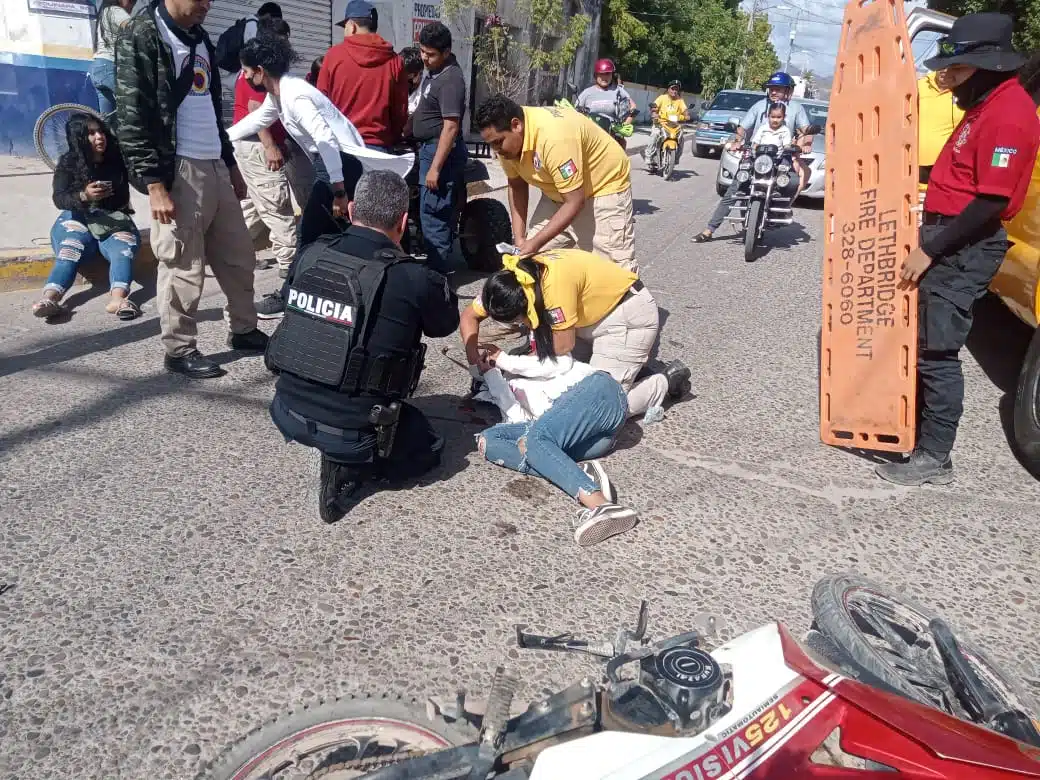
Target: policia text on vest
(349, 351)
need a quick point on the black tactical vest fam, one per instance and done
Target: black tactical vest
(332, 307)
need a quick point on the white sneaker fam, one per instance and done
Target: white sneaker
(592, 526)
(594, 470)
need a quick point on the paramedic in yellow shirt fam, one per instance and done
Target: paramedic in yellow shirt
(669, 104)
(938, 115)
(583, 173)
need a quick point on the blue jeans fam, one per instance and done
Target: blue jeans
(581, 425)
(438, 209)
(73, 243)
(103, 77)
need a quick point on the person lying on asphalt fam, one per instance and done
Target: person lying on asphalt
(557, 412)
(582, 297)
(92, 192)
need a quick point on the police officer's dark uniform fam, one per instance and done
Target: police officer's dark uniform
(348, 351)
(980, 178)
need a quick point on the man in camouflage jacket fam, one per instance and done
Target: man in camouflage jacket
(168, 109)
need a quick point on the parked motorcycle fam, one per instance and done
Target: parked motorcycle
(671, 129)
(879, 684)
(758, 204)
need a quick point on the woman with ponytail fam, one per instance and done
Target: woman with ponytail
(557, 412)
(580, 296)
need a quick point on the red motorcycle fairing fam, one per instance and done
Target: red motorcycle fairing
(778, 741)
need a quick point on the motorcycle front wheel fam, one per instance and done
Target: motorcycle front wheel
(884, 636)
(667, 163)
(751, 221)
(339, 740)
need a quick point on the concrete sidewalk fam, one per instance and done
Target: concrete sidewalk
(27, 215)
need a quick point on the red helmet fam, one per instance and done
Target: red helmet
(604, 66)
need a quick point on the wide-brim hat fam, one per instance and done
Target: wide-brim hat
(981, 40)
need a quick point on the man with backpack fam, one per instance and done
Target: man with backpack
(234, 37)
(168, 106)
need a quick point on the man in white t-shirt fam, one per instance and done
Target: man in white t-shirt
(177, 151)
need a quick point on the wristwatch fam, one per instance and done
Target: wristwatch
(339, 194)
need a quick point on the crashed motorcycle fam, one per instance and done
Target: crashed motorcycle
(878, 685)
(671, 134)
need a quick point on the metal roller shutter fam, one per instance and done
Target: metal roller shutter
(310, 22)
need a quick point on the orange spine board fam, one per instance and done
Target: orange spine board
(868, 345)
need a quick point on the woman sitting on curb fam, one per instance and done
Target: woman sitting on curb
(557, 412)
(92, 191)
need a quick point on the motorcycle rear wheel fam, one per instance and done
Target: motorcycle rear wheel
(330, 739)
(667, 163)
(754, 217)
(883, 637)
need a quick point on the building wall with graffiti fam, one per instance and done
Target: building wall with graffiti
(46, 47)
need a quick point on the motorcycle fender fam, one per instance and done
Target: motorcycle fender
(670, 144)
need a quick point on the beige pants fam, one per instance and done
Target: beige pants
(606, 225)
(270, 200)
(209, 229)
(621, 344)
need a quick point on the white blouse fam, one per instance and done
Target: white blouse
(317, 125)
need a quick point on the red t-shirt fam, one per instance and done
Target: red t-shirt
(244, 92)
(991, 152)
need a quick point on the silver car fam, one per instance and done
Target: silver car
(817, 111)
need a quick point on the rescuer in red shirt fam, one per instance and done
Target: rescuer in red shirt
(365, 78)
(979, 180)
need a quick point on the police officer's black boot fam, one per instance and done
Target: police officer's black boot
(920, 468)
(336, 491)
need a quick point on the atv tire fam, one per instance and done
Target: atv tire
(484, 223)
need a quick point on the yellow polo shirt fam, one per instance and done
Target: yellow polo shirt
(666, 106)
(579, 288)
(938, 116)
(565, 151)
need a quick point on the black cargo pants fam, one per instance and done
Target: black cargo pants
(946, 298)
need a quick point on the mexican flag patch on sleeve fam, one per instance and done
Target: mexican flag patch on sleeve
(1002, 156)
(568, 169)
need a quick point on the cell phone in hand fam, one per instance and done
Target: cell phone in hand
(105, 184)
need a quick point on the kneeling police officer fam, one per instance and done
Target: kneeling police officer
(349, 348)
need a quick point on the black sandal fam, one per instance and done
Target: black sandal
(703, 236)
(128, 310)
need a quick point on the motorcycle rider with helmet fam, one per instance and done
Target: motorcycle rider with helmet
(779, 88)
(607, 96)
(666, 105)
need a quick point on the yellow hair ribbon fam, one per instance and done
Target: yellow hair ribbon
(509, 262)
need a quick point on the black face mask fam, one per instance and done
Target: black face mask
(981, 83)
(258, 87)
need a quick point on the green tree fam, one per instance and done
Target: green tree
(700, 42)
(509, 59)
(1026, 14)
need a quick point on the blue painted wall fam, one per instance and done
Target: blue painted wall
(29, 85)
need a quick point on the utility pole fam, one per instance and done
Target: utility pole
(747, 45)
(790, 45)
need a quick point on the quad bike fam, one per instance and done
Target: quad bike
(671, 129)
(879, 685)
(481, 224)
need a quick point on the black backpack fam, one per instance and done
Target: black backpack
(230, 43)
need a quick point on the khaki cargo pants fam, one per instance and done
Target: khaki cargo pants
(606, 226)
(621, 345)
(270, 201)
(208, 229)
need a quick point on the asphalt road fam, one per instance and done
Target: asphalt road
(172, 585)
